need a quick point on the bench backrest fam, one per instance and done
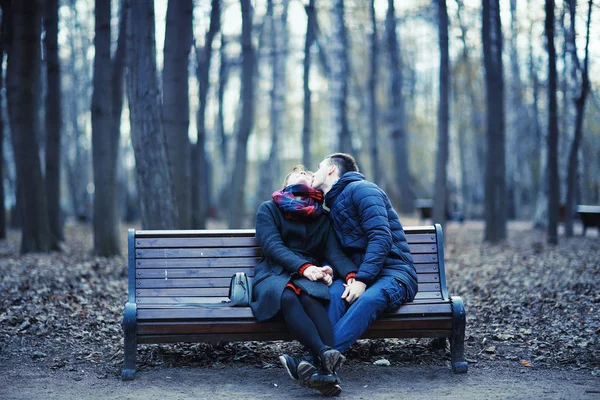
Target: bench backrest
(171, 267)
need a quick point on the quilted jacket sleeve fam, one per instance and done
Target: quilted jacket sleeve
(373, 219)
(340, 262)
(268, 235)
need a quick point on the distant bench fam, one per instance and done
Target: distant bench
(168, 270)
(590, 217)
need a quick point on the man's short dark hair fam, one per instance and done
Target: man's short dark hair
(344, 162)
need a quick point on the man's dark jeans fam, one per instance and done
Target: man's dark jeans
(350, 321)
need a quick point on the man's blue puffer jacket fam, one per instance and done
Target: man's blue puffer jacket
(370, 231)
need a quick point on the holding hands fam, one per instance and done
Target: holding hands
(324, 273)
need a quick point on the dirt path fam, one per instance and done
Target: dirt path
(361, 381)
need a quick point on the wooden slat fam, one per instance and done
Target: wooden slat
(423, 248)
(425, 258)
(154, 268)
(198, 252)
(223, 291)
(156, 273)
(195, 233)
(245, 312)
(196, 242)
(164, 302)
(187, 327)
(197, 262)
(211, 282)
(183, 283)
(409, 230)
(268, 336)
(427, 268)
(421, 238)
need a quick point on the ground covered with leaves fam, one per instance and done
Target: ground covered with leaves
(528, 304)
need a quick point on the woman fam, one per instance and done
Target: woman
(291, 277)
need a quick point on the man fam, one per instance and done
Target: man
(371, 233)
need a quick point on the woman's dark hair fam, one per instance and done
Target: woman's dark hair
(297, 168)
(344, 162)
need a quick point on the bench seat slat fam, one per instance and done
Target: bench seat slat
(198, 266)
(148, 302)
(248, 241)
(187, 327)
(224, 291)
(421, 255)
(269, 336)
(198, 252)
(168, 281)
(188, 313)
(197, 262)
(238, 241)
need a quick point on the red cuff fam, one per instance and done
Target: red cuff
(351, 275)
(303, 268)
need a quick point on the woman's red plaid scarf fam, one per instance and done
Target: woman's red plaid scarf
(309, 206)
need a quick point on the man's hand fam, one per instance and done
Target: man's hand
(354, 289)
(313, 273)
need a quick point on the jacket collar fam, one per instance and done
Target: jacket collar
(340, 185)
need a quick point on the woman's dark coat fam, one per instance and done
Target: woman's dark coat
(287, 245)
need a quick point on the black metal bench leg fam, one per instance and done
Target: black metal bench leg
(129, 330)
(457, 341)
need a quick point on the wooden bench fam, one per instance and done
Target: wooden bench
(168, 270)
(590, 217)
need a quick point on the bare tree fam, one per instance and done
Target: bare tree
(106, 221)
(373, 110)
(553, 178)
(306, 122)
(495, 181)
(176, 108)
(21, 77)
(4, 32)
(398, 114)
(200, 166)
(53, 122)
(158, 206)
(573, 176)
(236, 209)
(338, 79)
(439, 206)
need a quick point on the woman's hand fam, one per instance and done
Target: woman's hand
(327, 270)
(313, 273)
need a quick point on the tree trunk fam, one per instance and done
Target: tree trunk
(553, 179)
(157, 201)
(307, 117)
(176, 108)
(21, 78)
(495, 182)
(106, 222)
(519, 141)
(373, 110)
(398, 115)
(200, 182)
(340, 71)
(238, 193)
(53, 123)
(573, 176)
(117, 80)
(223, 77)
(270, 171)
(441, 166)
(4, 30)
